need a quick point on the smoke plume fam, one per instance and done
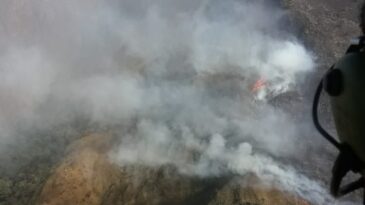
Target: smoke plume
(177, 75)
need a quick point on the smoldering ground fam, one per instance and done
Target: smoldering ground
(176, 74)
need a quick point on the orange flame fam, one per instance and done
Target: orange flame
(258, 85)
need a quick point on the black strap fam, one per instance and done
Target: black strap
(317, 124)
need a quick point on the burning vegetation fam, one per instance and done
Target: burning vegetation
(178, 90)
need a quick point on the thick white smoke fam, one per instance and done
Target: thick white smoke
(177, 74)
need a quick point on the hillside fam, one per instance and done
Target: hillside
(71, 160)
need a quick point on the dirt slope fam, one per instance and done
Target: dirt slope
(86, 177)
(83, 176)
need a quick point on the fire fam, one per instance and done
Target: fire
(258, 85)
